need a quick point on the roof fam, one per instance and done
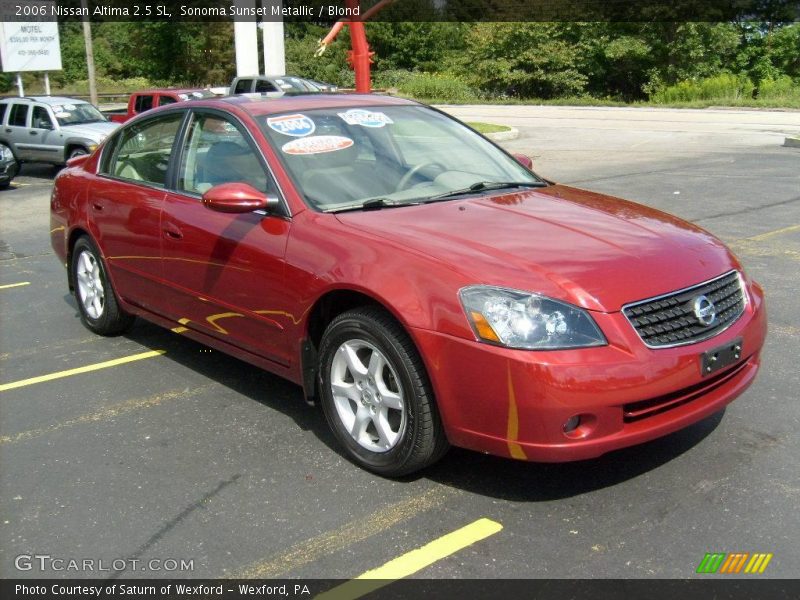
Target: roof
(49, 99)
(171, 91)
(267, 106)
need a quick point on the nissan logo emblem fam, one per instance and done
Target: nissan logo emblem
(704, 310)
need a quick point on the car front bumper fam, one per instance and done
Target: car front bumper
(516, 403)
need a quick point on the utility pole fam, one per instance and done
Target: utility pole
(87, 38)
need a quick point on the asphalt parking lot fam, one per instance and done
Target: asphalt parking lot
(110, 450)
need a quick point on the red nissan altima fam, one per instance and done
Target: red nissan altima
(419, 282)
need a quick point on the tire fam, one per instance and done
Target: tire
(97, 302)
(382, 395)
(77, 151)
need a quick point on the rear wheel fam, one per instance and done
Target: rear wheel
(97, 302)
(376, 395)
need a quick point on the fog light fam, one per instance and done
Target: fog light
(572, 424)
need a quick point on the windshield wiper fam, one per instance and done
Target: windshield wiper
(374, 204)
(481, 186)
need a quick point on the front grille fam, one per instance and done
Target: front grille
(670, 320)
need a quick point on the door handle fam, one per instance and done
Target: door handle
(9, 130)
(34, 132)
(97, 206)
(173, 232)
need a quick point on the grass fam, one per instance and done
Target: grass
(487, 127)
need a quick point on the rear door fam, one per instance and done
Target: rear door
(125, 206)
(225, 271)
(16, 130)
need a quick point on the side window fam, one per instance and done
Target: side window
(164, 100)
(143, 150)
(40, 119)
(216, 152)
(143, 103)
(263, 86)
(243, 86)
(2, 112)
(19, 115)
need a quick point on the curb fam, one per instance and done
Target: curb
(504, 136)
(792, 142)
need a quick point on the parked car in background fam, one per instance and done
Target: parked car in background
(327, 88)
(423, 285)
(142, 101)
(9, 167)
(51, 129)
(272, 85)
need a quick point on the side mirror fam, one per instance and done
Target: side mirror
(238, 198)
(525, 161)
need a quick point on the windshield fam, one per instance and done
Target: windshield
(342, 158)
(295, 84)
(77, 114)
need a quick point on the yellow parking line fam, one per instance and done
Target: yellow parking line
(106, 413)
(59, 374)
(414, 561)
(13, 285)
(345, 536)
(769, 234)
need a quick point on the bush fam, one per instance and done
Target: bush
(724, 88)
(782, 88)
(438, 88)
(392, 78)
(107, 85)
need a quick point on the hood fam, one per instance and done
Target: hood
(93, 131)
(585, 248)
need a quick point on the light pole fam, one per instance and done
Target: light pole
(87, 37)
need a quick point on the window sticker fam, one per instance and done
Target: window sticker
(317, 144)
(57, 108)
(69, 107)
(63, 115)
(295, 125)
(185, 96)
(365, 118)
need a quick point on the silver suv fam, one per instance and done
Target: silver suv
(50, 129)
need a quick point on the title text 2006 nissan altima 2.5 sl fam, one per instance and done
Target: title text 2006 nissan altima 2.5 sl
(424, 286)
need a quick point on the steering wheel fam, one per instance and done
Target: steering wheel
(403, 183)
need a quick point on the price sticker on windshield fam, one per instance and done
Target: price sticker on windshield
(365, 118)
(317, 144)
(295, 125)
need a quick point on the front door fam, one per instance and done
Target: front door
(225, 271)
(47, 143)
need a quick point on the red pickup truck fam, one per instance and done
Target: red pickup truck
(142, 101)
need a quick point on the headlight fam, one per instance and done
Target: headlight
(5, 153)
(527, 321)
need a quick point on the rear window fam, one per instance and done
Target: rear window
(143, 103)
(262, 86)
(164, 100)
(243, 86)
(19, 115)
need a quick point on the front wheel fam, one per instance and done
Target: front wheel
(79, 151)
(376, 395)
(97, 303)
